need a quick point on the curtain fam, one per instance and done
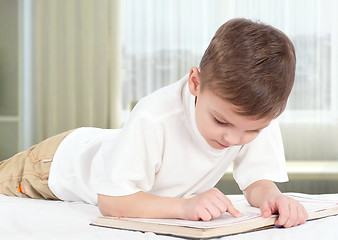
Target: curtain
(76, 66)
(164, 39)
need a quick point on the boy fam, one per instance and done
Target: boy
(180, 139)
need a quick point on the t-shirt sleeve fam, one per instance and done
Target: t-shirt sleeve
(261, 159)
(132, 165)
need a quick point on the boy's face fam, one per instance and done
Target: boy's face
(217, 121)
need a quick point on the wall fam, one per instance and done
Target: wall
(9, 78)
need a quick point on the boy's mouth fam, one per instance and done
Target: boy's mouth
(223, 146)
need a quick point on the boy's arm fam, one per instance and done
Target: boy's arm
(205, 206)
(266, 195)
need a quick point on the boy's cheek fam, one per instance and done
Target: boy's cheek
(248, 139)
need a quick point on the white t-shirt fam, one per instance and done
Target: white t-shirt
(160, 151)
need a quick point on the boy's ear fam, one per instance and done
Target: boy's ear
(194, 81)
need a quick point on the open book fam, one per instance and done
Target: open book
(225, 225)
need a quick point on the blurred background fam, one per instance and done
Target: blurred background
(71, 63)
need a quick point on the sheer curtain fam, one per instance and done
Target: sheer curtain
(163, 39)
(72, 66)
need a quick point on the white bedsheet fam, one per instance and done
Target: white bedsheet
(40, 219)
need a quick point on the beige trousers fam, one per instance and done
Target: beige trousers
(26, 174)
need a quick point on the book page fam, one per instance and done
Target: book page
(313, 203)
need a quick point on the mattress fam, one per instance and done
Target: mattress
(22, 218)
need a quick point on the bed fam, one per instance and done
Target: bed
(41, 219)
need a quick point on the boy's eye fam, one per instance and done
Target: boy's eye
(219, 122)
(256, 131)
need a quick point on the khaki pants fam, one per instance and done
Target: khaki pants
(26, 174)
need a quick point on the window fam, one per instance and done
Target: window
(164, 39)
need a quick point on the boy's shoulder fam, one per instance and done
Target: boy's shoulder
(165, 101)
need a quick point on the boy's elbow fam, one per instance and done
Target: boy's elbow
(102, 204)
(120, 206)
(107, 206)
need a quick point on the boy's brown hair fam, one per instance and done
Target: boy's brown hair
(252, 66)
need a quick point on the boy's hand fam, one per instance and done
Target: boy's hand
(208, 205)
(291, 212)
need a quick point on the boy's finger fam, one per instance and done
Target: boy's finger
(214, 211)
(229, 207)
(266, 210)
(303, 213)
(284, 213)
(232, 210)
(204, 215)
(293, 217)
(221, 205)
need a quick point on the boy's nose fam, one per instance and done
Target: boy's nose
(232, 139)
